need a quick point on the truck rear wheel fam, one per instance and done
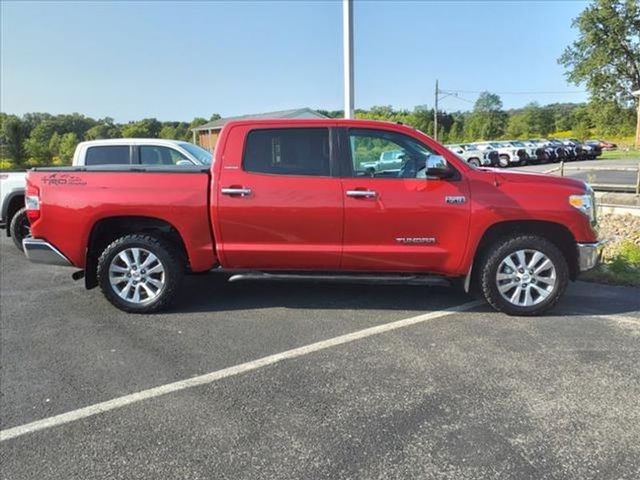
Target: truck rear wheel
(19, 228)
(140, 273)
(524, 275)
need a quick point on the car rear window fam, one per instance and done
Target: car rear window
(108, 155)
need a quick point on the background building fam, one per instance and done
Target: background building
(207, 135)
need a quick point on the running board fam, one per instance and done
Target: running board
(346, 278)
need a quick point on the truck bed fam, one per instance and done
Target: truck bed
(76, 199)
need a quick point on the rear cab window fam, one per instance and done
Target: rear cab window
(288, 151)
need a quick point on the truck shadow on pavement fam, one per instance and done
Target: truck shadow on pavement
(212, 293)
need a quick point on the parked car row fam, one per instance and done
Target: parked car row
(506, 153)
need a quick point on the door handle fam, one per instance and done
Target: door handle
(243, 192)
(361, 194)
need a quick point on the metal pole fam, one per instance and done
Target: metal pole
(638, 182)
(435, 116)
(562, 168)
(347, 47)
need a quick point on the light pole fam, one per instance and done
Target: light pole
(636, 94)
(347, 48)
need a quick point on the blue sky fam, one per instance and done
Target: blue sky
(178, 60)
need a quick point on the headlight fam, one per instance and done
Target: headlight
(585, 203)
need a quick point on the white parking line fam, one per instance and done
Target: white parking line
(120, 402)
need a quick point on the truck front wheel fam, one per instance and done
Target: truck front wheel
(140, 273)
(524, 275)
(19, 228)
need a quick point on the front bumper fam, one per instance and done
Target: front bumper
(588, 255)
(41, 251)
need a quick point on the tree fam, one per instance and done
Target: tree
(68, 144)
(487, 121)
(606, 56)
(518, 125)
(145, 128)
(168, 132)
(37, 145)
(105, 128)
(13, 133)
(54, 144)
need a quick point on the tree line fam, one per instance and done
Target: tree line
(36, 139)
(489, 121)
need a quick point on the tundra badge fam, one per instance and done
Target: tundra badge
(416, 240)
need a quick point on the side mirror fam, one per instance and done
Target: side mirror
(437, 167)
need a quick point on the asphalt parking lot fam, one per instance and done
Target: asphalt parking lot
(447, 395)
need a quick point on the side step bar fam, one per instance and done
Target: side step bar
(346, 278)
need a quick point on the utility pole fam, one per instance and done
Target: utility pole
(347, 48)
(435, 116)
(636, 94)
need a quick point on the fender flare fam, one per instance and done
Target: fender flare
(18, 192)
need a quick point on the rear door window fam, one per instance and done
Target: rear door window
(288, 151)
(108, 155)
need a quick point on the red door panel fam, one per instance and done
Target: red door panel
(407, 226)
(277, 222)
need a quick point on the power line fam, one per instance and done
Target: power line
(521, 93)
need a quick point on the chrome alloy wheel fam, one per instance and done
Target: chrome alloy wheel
(136, 275)
(526, 278)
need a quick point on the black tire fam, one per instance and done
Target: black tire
(508, 246)
(503, 161)
(168, 256)
(474, 161)
(19, 229)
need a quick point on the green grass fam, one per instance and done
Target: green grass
(619, 154)
(622, 268)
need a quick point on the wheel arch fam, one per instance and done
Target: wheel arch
(12, 203)
(557, 233)
(106, 230)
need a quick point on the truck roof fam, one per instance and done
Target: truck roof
(319, 122)
(131, 141)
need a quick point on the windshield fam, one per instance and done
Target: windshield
(198, 152)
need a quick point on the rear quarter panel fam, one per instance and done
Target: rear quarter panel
(73, 202)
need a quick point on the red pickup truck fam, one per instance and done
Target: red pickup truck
(304, 199)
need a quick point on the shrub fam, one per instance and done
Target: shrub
(6, 164)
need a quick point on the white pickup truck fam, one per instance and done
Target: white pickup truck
(142, 151)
